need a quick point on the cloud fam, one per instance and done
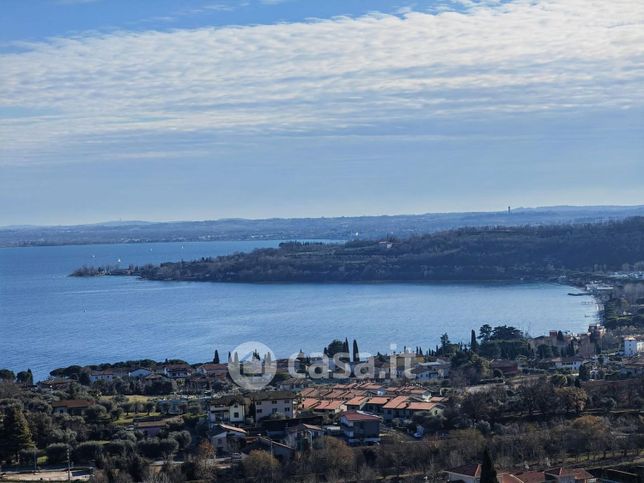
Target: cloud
(527, 57)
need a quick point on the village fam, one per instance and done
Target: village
(414, 398)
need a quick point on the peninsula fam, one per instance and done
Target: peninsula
(467, 254)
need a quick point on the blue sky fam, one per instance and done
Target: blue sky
(166, 110)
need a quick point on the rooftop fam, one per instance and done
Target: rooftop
(359, 416)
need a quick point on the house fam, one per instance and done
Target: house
(151, 428)
(415, 407)
(359, 427)
(633, 346)
(54, 384)
(422, 373)
(75, 407)
(227, 409)
(633, 367)
(278, 428)
(568, 363)
(465, 473)
(442, 367)
(281, 452)
(375, 405)
(356, 403)
(177, 371)
(531, 477)
(332, 406)
(569, 475)
(303, 435)
(217, 371)
(228, 439)
(395, 408)
(173, 406)
(267, 403)
(139, 373)
(197, 384)
(292, 384)
(506, 367)
(107, 376)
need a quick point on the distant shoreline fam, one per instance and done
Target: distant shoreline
(321, 228)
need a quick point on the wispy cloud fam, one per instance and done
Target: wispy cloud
(492, 58)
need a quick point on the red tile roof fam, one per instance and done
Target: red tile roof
(357, 401)
(577, 473)
(467, 470)
(359, 416)
(531, 477)
(379, 401)
(420, 406)
(398, 402)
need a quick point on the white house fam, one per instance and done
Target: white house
(569, 363)
(273, 402)
(227, 438)
(423, 373)
(466, 473)
(227, 409)
(107, 376)
(633, 346)
(139, 373)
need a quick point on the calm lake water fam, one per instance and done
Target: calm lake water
(50, 320)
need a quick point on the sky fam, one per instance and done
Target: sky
(205, 109)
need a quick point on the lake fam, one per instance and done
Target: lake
(50, 320)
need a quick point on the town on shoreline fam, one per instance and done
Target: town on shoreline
(442, 413)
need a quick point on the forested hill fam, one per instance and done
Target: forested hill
(465, 254)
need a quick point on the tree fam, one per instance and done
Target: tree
(506, 332)
(15, 434)
(261, 466)
(215, 359)
(488, 473)
(334, 456)
(335, 347)
(572, 399)
(88, 451)
(485, 332)
(205, 467)
(445, 343)
(25, 377)
(57, 453)
(474, 345)
(544, 351)
(7, 375)
(356, 352)
(584, 372)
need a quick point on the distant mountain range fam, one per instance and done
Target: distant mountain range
(338, 228)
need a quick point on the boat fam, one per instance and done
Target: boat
(580, 294)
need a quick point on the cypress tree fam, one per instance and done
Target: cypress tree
(488, 473)
(356, 352)
(215, 359)
(474, 345)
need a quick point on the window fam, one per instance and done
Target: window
(274, 402)
(259, 411)
(235, 415)
(274, 410)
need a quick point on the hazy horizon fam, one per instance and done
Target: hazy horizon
(195, 220)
